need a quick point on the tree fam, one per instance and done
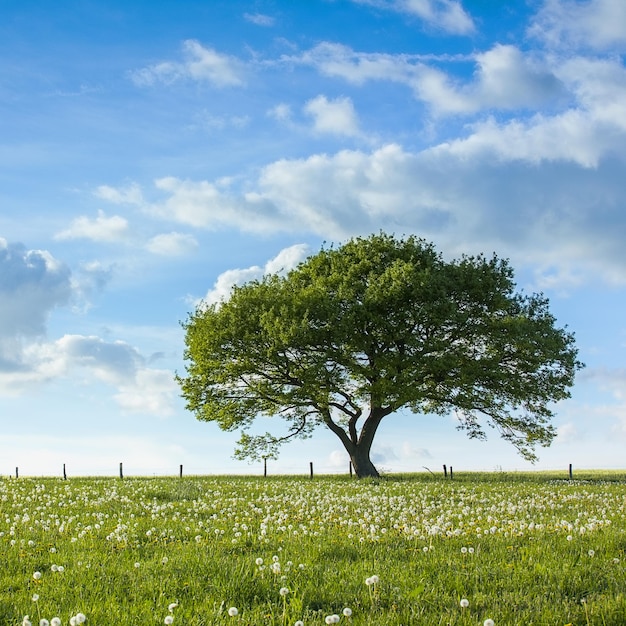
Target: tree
(357, 332)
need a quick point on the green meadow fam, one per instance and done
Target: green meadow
(405, 550)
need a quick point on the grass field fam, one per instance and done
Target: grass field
(512, 548)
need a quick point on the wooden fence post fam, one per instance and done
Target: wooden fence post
(17, 472)
(181, 472)
(445, 471)
(64, 474)
(451, 475)
(311, 466)
(570, 471)
(264, 467)
(121, 471)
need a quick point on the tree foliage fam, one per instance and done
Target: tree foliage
(357, 332)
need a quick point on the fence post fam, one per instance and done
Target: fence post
(570, 471)
(181, 472)
(17, 472)
(64, 474)
(264, 467)
(311, 466)
(451, 476)
(121, 471)
(445, 471)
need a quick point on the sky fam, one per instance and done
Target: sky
(153, 155)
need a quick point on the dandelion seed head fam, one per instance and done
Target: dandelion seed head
(233, 611)
(489, 622)
(44, 622)
(171, 607)
(55, 621)
(37, 575)
(169, 619)
(35, 597)
(283, 591)
(464, 603)
(347, 612)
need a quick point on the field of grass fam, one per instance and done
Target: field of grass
(406, 550)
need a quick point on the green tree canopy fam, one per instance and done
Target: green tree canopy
(357, 332)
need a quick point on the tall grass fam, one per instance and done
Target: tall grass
(520, 549)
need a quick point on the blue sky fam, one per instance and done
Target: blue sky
(154, 154)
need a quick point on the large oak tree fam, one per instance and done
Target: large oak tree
(357, 332)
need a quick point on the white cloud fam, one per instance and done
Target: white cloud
(481, 193)
(599, 24)
(32, 284)
(153, 392)
(102, 228)
(336, 117)
(447, 15)
(285, 260)
(281, 112)
(567, 433)
(172, 244)
(503, 79)
(131, 194)
(87, 359)
(259, 19)
(200, 64)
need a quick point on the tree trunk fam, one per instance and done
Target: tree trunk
(363, 466)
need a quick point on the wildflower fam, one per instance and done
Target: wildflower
(259, 561)
(372, 580)
(347, 612)
(464, 603)
(35, 597)
(169, 619)
(283, 591)
(299, 623)
(463, 550)
(44, 622)
(172, 606)
(332, 619)
(489, 622)
(592, 553)
(233, 611)
(26, 621)
(137, 565)
(55, 621)
(37, 575)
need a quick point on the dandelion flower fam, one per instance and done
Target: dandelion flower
(259, 561)
(37, 575)
(489, 622)
(172, 606)
(35, 597)
(332, 619)
(299, 623)
(464, 603)
(347, 612)
(283, 591)
(44, 622)
(592, 553)
(169, 619)
(233, 611)
(26, 621)
(55, 621)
